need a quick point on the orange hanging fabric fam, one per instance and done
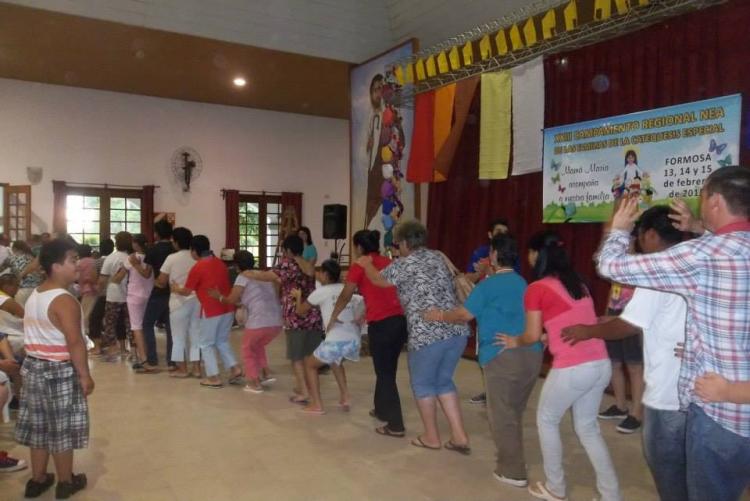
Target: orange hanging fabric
(422, 153)
(465, 90)
(443, 115)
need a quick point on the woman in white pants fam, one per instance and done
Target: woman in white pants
(579, 373)
(184, 311)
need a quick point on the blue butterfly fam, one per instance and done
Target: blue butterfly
(556, 178)
(726, 162)
(718, 148)
(570, 210)
(555, 165)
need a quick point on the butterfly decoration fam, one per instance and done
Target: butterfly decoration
(715, 147)
(726, 161)
(560, 188)
(555, 164)
(556, 178)
(570, 210)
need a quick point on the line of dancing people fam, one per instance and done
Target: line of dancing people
(691, 297)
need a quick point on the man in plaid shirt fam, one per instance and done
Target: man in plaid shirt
(713, 274)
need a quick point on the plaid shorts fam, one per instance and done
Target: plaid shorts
(53, 413)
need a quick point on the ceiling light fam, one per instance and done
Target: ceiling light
(239, 82)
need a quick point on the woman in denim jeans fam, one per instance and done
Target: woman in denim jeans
(424, 282)
(579, 373)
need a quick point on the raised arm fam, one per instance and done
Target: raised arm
(30, 268)
(307, 267)
(675, 269)
(372, 273)
(11, 306)
(613, 329)
(65, 314)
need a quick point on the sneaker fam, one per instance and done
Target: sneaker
(613, 413)
(8, 464)
(35, 489)
(515, 482)
(66, 489)
(630, 424)
(252, 389)
(478, 399)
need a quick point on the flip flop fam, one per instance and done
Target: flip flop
(299, 401)
(179, 375)
(212, 385)
(540, 491)
(417, 442)
(235, 379)
(346, 407)
(384, 430)
(312, 412)
(461, 449)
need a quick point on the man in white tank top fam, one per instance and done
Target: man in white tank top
(53, 415)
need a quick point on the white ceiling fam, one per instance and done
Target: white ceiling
(348, 30)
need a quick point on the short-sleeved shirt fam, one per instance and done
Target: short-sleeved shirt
(381, 302)
(309, 252)
(138, 285)
(261, 301)
(424, 282)
(292, 277)
(155, 257)
(619, 296)
(662, 317)
(210, 273)
(177, 266)
(346, 329)
(497, 305)
(18, 262)
(116, 293)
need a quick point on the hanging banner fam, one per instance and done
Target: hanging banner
(659, 154)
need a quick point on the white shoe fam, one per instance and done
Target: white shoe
(251, 389)
(268, 381)
(511, 481)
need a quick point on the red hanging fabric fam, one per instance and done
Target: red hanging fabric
(232, 216)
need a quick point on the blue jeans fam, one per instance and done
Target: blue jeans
(186, 324)
(664, 435)
(215, 336)
(157, 309)
(431, 368)
(718, 461)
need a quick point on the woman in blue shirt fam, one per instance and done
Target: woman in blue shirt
(309, 253)
(510, 374)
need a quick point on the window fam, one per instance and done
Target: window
(259, 227)
(15, 215)
(95, 214)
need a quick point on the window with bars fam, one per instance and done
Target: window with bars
(259, 227)
(95, 214)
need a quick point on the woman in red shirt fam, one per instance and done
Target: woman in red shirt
(386, 330)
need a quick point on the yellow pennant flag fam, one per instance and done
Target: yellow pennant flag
(549, 24)
(602, 9)
(442, 63)
(454, 58)
(515, 38)
(420, 70)
(398, 72)
(468, 53)
(443, 115)
(485, 48)
(623, 6)
(571, 16)
(409, 73)
(529, 32)
(495, 125)
(501, 43)
(430, 67)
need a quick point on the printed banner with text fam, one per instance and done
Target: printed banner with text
(660, 154)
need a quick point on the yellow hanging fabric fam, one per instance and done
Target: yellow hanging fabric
(443, 116)
(495, 125)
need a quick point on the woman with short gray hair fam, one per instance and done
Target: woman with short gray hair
(424, 282)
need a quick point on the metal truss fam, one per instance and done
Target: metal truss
(586, 34)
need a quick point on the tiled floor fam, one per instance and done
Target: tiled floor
(162, 439)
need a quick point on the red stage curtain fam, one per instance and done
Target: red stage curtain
(59, 198)
(232, 216)
(147, 213)
(691, 57)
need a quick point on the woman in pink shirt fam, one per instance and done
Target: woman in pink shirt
(579, 374)
(140, 283)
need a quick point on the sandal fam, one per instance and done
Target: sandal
(296, 399)
(312, 412)
(384, 430)
(346, 406)
(211, 385)
(417, 442)
(461, 449)
(540, 491)
(179, 374)
(237, 379)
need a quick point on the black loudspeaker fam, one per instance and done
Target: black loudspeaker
(334, 222)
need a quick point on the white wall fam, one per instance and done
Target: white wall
(80, 135)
